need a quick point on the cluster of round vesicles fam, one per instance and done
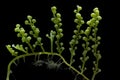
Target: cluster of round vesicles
(26, 37)
(56, 19)
(96, 39)
(34, 32)
(91, 35)
(77, 33)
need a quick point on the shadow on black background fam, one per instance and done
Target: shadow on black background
(16, 12)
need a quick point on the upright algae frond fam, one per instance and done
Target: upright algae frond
(77, 33)
(57, 24)
(88, 36)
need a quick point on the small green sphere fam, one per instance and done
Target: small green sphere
(26, 22)
(74, 36)
(31, 32)
(82, 31)
(93, 15)
(79, 8)
(29, 17)
(76, 42)
(61, 43)
(8, 46)
(95, 9)
(39, 39)
(17, 29)
(34, 20)
(61, 35)
(18, 35)
(82, 22)
(85, 38)
(60, 30)
(98, 56)
(87, 31)
(22, 31)
(25, 34)
(97, 22)
(47, 35)
(52, 19)
(23, 39)
(58, 20)
(98, 38)
(86, 58)
(53, 33)
(17, 25)
(53, 9)
(72, 41)
(97, 12)
(62, 48)
(37, 30)
(81, 58)
(75, 11)
(88, 48)
(93, 46)
(33, 27)
(56, 25)
(60, 24)
(76, 20)
(90, 37)
(29, 38)
(76, 48)
(58, 36)
(99, 17)
(89, 22)
(78, 26)
(75, 31)
(78, 15)
(58, 15)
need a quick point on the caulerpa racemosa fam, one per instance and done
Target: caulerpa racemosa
(88, 35)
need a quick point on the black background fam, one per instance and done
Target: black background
(12, 13)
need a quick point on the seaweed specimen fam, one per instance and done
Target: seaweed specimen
(33, 40)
